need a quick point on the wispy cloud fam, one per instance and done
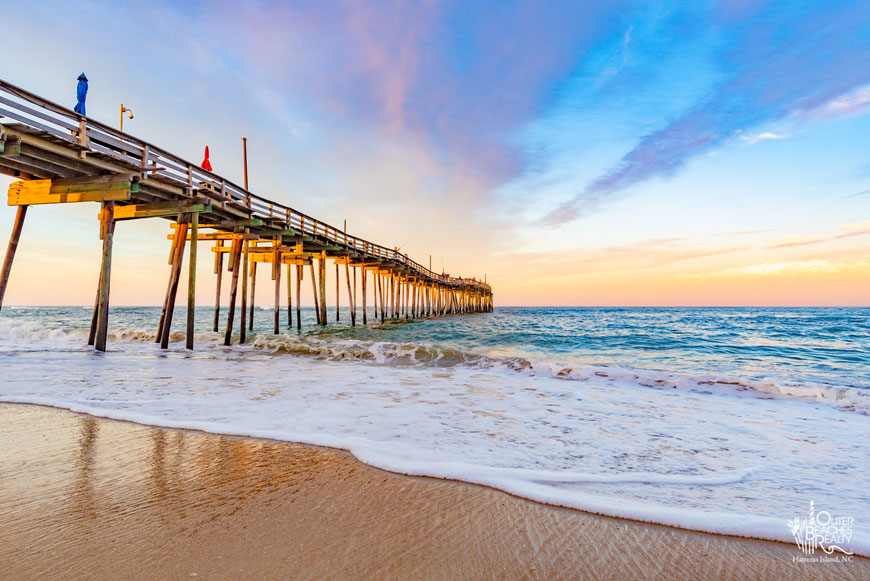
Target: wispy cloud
(787, 60)
(762, 137)
(844, 231)
(797, 267)
(640, 255)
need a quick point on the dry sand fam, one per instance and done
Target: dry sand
(82, 497)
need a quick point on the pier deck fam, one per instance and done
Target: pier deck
(62, 157)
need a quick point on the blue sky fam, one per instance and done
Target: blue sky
(575, 152)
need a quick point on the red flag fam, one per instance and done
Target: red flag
(205, 162)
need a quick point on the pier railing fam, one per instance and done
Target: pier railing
(160, 167)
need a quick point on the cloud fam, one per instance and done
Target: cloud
(763, 137)
(797, 267)
(789, 60)
(844, 231)
(856, 102)
(640, 255)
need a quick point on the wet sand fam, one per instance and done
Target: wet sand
(82, 497)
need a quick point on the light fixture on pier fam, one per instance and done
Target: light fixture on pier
(129, 113)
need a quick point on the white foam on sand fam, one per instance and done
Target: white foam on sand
(685, 453)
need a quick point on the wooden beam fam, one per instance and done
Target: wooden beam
(10, 250)
(136, 211)
(27, 199)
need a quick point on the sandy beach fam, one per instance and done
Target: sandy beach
(83, 497)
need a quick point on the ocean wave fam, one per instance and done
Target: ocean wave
(333, 345)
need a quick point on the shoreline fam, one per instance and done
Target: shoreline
(84, 496)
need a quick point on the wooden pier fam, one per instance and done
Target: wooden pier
(62, 157)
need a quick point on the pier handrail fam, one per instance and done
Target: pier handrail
(155, 163)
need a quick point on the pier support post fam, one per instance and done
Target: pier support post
(10, 250)
(363, 294)
(108, 227)
(244, 274)
(218, 270)
(350, 297)
(337, 302)
(92, 336)
(382, 287)
(234, 265)
(276, 274)
(191, 281)
(322, 265)
(289, 297)
(253, 294)
(299, 271)
(314, 290)
(172, 289)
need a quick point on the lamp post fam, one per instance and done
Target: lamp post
(245, 158)
(129, 113)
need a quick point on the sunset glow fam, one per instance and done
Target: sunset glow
(584, 154)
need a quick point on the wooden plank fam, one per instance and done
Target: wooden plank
(218, 236)
(97, 196)
(39, 188)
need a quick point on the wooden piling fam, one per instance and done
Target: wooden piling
(244, 274)
(174, 277)
(363, 294)
(276, 271)
(289, 297)
(314, 290)
(234, 266)
(382, 287)
(191, 280)
(299, 271)
(337, 302)
(350, 297)
(218, 270)
(105, 276)
(92, 335)
(322, 269)
(253, 294)
(10, 250)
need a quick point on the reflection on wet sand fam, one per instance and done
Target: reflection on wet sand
(83, 497)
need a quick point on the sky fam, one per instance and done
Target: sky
(573, 153)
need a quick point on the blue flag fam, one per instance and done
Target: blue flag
(81, 94)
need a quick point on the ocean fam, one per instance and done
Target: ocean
(724, 420)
